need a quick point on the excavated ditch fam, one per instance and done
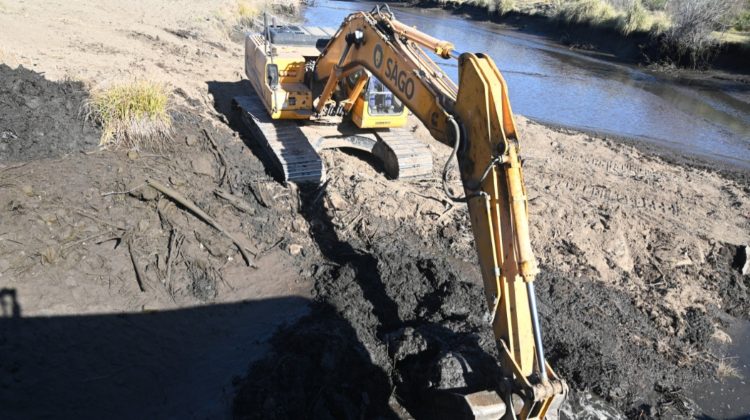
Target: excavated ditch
(395, 324)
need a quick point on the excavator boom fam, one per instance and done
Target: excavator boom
(476, 120)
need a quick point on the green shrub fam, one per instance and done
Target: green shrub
(742, 23)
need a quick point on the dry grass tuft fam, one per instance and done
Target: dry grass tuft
(247, 12)
(593, 12)
(132, 116)
(725, 369)
(635, 18)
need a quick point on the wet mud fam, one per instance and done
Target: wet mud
(39, 118)
(396, 326)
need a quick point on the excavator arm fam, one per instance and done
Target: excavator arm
(474, 118)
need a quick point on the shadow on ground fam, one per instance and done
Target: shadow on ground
(167, 364)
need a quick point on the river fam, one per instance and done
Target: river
(555, 85)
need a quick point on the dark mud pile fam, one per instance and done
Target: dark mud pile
(39, 118)
(395, 326)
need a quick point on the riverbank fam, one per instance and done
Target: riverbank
(605, 39)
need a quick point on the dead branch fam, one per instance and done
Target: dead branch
(96, 219)
(175, 243)
(222, 159)
(180, 199)
(123, 192)
(260, 194)
(138, 273)
(234, 200)
(8, 168)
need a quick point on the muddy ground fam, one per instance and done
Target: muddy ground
(637, 266)
(373, 282)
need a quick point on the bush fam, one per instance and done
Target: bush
(501, 7)
(594, 12)
(132, 116)
(246, 12)
(636, 18)
(693, 24)
(742, 23)
(655, 4)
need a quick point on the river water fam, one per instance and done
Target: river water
(555, 85)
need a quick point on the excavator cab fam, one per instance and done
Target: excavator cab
(376, 106)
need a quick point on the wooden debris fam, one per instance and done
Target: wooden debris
(261, 194)
(138, 273)
(96, 219)
(222, 159)
(234, 200)
(175, 243)
(180, 199)
(123, 192)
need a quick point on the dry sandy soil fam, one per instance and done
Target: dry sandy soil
(375, 279)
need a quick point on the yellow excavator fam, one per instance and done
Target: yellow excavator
(476, 121)
(294, 125)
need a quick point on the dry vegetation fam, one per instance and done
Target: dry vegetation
(691, 28)
(132, 116)
(725, 369)
(695, 21)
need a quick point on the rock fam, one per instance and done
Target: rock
(28, 190)
(202, 166)
(746, 267)
(132, 155)
(337, 201)
(405, 342)
(191, 140)
(177, 182)
(295, 249)
(145, 193)
(450, 372)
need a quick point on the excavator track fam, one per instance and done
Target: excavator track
(408, 157)
(294, 154)
(284, 142)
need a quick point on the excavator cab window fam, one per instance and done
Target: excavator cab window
(272, 73)
(380, 100)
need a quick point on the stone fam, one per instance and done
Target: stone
(295, 249)
(202, 166)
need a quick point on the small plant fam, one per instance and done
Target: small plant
(655, 4)
(500, 7)
(635, 18)
(593, 12)
(725, 369)
(246, 12)
(132, 115)
(742, 23)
